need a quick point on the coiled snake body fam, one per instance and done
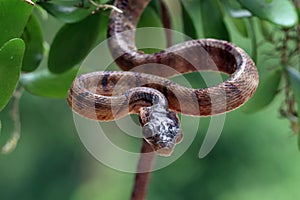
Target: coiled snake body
(106, 96)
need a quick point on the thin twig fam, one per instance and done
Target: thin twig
(141, 183)
(105, 6)
(11, 144)
(289, 97)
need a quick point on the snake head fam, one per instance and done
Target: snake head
(160, 129)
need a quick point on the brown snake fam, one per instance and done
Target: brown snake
(107, 96)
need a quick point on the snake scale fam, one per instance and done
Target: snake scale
(107, 95)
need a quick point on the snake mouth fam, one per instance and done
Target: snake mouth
(161, 148)
(166, 151)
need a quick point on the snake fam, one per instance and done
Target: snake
(111, 95)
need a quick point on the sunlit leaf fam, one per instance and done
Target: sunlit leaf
(33, 38)
(280, 12)
(67, 11)
(266, 91)
(11, 55)
(46, 84)
(241, 13)
(294, 78)
(72, 43)
(188, 24)
(212, 21)
(235, 10)
(13, 18)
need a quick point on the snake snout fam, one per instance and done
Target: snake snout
(162, 132)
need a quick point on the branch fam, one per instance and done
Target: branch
(141, 183)
(105, 6)
(11, 144)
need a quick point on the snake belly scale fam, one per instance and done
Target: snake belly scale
(107, 95)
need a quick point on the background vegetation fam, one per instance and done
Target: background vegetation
(41, 48)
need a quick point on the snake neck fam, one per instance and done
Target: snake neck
(128, 19)
(140, 97)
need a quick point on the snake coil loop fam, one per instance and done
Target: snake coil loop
(92, 95)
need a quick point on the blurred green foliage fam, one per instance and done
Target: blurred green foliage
(255, 158)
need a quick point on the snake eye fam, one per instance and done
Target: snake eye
(148, 130)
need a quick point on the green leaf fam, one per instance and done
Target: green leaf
(266, 91)
(241, 26)
(33, 38)
(236, 16)
(67, 12)
(234, 9)
(149, 18)
(155, 5)
(102, 35)
(103, 1)
(193, 9)
(13, 18)
(188, 24)
(267, 30)
(11, 56)
(280, 12)
(72, 43)
(46, 84)
(253, 39)
(212, 20)
(294, 78)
